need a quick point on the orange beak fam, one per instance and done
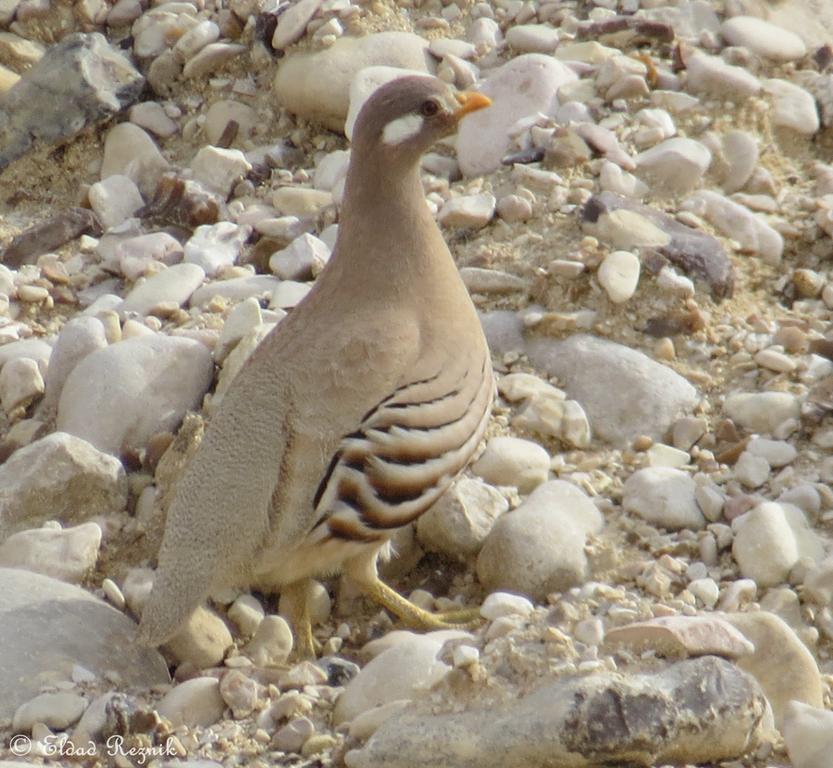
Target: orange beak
(470, 101)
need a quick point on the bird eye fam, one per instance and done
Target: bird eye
(429, 108)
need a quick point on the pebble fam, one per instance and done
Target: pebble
(539, 547)
(713, 76)
(293, 23)
(288, 294)
(202, 641)
(118, 397)
(532, 38)
(764, 545)
(751, 470)
(763, 38)
(471, 211)
(20, 383)
(663, 496)
(239, 692)
(59, 477)
(129, 151)
(224, 111)
(513, 208)
(513, 461)
(500, 604)
(135, 256)
(808, 735)
(235, 289)
(736, 159)
(303, 258)
(213, 247)
(196, 702)
(172, 285)
(674, 166)
(212, 57)
(55, 710)
(794, 107)
(761, 412)
(776, 361)
(523, 86)
(196, 38)
(271, 644)
(291, 737)
(619, 275)
(151, 117)
(115, 199)
(67, 554)
(247, 613)
(218, 169)
(458, 524)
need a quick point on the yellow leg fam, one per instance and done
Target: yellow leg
(362, 570)
(297, 595)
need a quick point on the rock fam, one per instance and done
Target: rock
(59, 477)
(736, 161)
(500, 604)
(532, 38)
(137, 256)
(664, 497)
(79, 337)
(550, 414)
(118, 397)
(794, 107)
(173, 285)
(49, 235)
(151, 117)
(619, 275)
(115, 199)
(293, 23)
(301, 201)
(680, 636)
(129, 151)
(523, 86)
(649, 396)
(808, 735)
(271, 644)
(65, 554)
(215, 246)
(472, 211)
(751, 470)
(55, 710)
(316, 85)
(92, 635)
(304, 257)
(79, 81)
(781, 663)
(738, 222)
(761, 411)
(713, 76)
(763, 38)
(223, 112)
(539, 547)
(212, 57)
(202, 641)
(400, 672)
(513, 461)
(696, 711)
(219, 169)
(292, 736)
(458, 524)
(239, 692)
(235, 289)
(288, 294)
(20, 383)
(245, 316)
(674, 166)
(247, 613)
(196, 702)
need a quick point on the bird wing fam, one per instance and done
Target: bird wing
(406, 451)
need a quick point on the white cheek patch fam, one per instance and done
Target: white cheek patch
(402, 129)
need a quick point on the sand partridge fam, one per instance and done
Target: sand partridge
(355, 414)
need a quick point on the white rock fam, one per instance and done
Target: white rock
(739, 155)
(705, 590)
(464, 656)
(712, 75)
(214, 246)
(20, 383)
(776, 361)
(513, 461)
(271, 644)
(661, 455)
(363, 726)
(219, 169)
(539, 547)
(172, 285)
(196, 702)
(292, 736)
(129, 151)
(59, 477)
(751, 232)
(211, 57)
(222, 112)
(764, 546)
(763, 38)
(67, 554)
(304, 257)
(55, 710)
(241, 320)
(202, 641)
(236, 289)
(119, 396)
(614, 179)
(619, 275)
(513, 208)
(115, 199)
(778, 453)
(499, 604)
(523, 86)
(247, 613)
(532, 38)
(471, 211)
(458, 524)
(331, 169)
(676, 165)
(485, 34)
(288, 294)
(808, 735)
(151, 116)
(762, 411)
(293, 23)
(795, 108)
(751, 470)
(664, 497)
(136, 255)
(37, 349)
(196, 38)
(403, 671)
(301, 201)
(547, 412)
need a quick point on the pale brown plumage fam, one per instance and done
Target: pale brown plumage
(355, 414)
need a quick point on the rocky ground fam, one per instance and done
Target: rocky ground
(644, 219)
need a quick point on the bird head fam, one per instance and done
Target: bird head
(404, 117)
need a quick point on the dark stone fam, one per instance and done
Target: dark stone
(49, 235)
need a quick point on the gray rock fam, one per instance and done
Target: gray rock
(118, 397)
(55, 710)
(664, 497)
(47, 627)
(649, 397)
(79, 81)
(59, 477)
(539, 547)
(68, 554)
(696, 711)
